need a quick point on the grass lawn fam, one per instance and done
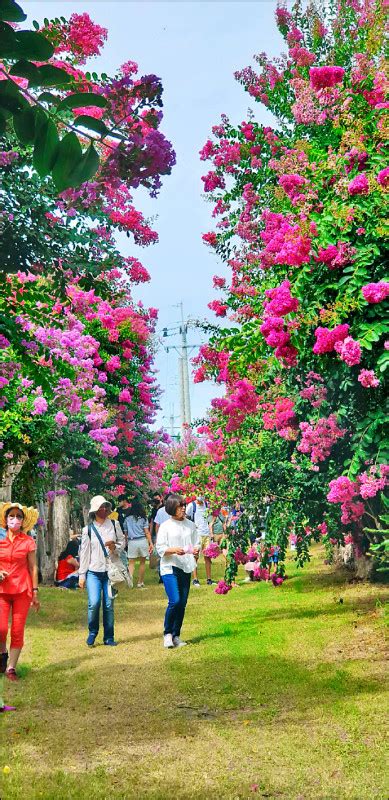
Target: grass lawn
(281, 694)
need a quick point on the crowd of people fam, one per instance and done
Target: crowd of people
(173, 535)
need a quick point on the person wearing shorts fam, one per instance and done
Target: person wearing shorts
(197, 512)
(139, 540)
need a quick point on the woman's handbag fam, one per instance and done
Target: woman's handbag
(117, 572)
(154, 560)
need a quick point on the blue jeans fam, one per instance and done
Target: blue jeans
(68, 583)
(177, 588)
(97, 582)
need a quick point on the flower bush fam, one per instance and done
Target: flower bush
(78, 393)
(298, 210)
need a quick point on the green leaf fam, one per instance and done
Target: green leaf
(51, 76)
(10, 97)
(48, 97)
(34, 46)
(7, 40)
(3, 123)
(24, 125)
(86, 168)
(81, 99)
(46, 148)
(68, 158)
(24, 69)
(97, 125)
(11, 11)
(36, 24)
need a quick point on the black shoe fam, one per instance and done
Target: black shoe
(110, 643)
(3, 662)
(210, 582)
(91, 640)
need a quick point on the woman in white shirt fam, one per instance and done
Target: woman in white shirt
(93, 570)
(177, 545)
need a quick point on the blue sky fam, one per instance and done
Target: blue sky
(195, 47)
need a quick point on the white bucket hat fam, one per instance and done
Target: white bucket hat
(96, 503)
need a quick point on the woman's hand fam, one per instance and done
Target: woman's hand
(81, 583)
(196, 552)
(151, 548)
(179, 551)
(35, 602)
(111, 546)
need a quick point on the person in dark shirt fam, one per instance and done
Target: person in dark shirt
(124, 509)
(156, 505)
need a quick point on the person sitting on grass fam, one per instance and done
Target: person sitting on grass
(67, 569)
(177, 546)
(139, 540)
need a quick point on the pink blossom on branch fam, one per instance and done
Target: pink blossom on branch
(359, 185)
(368, 378)
(323, 77)
(375, 292)
(349, 350)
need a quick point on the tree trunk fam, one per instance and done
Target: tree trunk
(364, 567)
(53, 538)
(7, 479)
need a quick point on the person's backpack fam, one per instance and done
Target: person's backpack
(191, 514)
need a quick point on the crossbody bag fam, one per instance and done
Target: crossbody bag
(117, 572)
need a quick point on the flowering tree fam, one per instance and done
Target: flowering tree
(300, 223)
(76, 352)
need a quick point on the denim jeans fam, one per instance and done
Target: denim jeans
(177, 588)
(97, 582)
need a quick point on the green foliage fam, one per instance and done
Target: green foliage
(31, 121)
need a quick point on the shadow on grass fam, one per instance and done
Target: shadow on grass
(102, 692)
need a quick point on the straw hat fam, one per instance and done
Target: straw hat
(97, 502)
(30, 515)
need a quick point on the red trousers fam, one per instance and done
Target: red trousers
(19, 604)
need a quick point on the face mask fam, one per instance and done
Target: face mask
(14, 523)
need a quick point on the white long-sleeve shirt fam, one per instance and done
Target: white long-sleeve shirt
(176, 533)
(91, 551)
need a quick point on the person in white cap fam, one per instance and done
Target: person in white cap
(197, 512)
(99, 538)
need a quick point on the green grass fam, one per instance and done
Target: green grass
(281, 691)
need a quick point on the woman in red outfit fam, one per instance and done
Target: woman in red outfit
(18, 577)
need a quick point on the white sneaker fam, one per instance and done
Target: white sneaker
(177, 642)
(140, 586)
(168, 640)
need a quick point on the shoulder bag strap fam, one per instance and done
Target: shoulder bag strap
(95, 531)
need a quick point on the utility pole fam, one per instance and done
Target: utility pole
(171, 418)
(182, 392)
(186, 417)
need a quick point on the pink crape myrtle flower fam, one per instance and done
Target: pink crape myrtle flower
(368, 378)
(219, 308)
(327, 338)
(40, 406)
(327, 76)
(61, 418)
(383, 177)
(349, 350)
(223, 588)
(359, 185)
(375, 292)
